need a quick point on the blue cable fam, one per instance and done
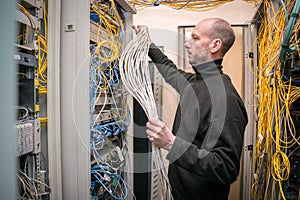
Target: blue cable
(98, 132)
(106, 169)
(104, 186)
(287, 78)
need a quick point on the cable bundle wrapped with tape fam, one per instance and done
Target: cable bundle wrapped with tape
(135, 75)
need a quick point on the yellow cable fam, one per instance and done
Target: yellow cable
(275, 97)
(101, 51)
(197, 6)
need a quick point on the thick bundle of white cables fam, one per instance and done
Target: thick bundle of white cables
(135, 75)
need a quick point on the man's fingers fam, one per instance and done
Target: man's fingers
(136, 29)
(155, 127)
(150, 133)
(150, 138)
(156, 122)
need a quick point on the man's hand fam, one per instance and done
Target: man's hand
(159, 134)
(138, 29)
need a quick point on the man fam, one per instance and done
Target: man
(206, 141)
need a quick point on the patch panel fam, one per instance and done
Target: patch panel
(112, 155)
(104, 117)
(101, 100)
(28, 137)
(24, 137)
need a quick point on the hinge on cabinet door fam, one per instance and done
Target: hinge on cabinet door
(250, 55)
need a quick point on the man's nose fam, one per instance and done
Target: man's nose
(187, 44)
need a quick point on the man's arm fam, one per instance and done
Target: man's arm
(177, 78)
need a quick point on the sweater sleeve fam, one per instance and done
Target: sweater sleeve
(177, 78)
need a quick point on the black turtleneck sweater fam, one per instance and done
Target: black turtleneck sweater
(209, 126)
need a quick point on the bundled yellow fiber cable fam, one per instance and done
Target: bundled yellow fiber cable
(275, 129)
(112, 23)
(191, 5)
(187, 5)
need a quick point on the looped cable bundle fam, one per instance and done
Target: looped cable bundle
(135, 75)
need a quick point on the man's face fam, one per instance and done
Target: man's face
(198, 46)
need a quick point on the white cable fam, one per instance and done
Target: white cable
(103, 106)
(135, 75)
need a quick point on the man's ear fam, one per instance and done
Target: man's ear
(215, 45)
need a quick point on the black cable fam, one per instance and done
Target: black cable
(189, 1)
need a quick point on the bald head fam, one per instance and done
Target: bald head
(218, 28)
(210, 40)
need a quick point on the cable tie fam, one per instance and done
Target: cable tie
(293, 14)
